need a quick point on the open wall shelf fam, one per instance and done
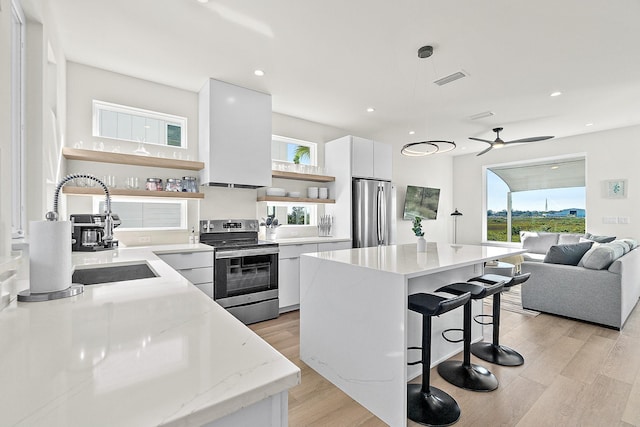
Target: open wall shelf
(293, 199)
(302, 176)
(91, 191)
(130, 159)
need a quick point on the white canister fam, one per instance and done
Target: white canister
(323, 192)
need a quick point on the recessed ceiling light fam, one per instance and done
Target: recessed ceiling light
(370, 110)
(203, 1)
(259, 73)
(556, 94)
(555, 167)
(589, 124)
(412, 132)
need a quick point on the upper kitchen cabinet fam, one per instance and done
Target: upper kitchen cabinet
(369, 159)
(234, 135)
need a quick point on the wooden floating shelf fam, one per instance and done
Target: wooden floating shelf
(293, 199)
(130, 159)
(97, 191)
(302, 176)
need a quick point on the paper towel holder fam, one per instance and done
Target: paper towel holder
(75, 288)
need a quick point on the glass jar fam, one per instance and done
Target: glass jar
(154, 184)
(189, 184)
(173, 184)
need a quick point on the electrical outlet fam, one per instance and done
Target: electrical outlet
(609, 219)
(624, 220)
(144, 239)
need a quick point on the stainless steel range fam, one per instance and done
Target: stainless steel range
(245, 270)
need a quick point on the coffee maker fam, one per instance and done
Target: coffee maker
(88, 231)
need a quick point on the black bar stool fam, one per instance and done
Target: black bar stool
(492, 351)
(465, 374)
(425, 404)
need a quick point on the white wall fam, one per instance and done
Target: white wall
(430, 171)
(5, 128)
(611, 154)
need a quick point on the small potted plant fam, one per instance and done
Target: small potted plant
(417, 230)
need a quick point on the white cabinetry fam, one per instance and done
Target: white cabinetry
(196, 267)
(234, 135)
(370, 159)
(289, 270)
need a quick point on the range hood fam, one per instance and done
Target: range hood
(234, 136)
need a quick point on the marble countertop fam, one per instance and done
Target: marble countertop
(140, 353)
(407, 261)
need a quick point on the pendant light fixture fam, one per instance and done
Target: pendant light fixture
(425, 148)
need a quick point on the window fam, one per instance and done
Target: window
(17, 122)
(293, 150)
(292, 215)
(138, 125)
(147, 215)
(547, 195)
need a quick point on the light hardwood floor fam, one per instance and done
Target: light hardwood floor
(575, 374)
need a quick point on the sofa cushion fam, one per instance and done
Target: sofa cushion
(538, 243)
(601, 256)
(568, 239)
(530, 256)
(567, 254)
(600, 239)
(632, 243)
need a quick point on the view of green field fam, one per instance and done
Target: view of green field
(497, 226)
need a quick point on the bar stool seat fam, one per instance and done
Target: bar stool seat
(494, 352)
(465, 374)
(425, 404)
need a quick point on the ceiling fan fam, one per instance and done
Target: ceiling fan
(497, 143)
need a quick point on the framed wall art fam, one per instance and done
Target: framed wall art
(617, 188)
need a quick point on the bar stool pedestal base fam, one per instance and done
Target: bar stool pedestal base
(497, 354)
(434, 409)
(471, 377)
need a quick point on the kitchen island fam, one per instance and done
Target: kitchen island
(354, 323)
(145, 352)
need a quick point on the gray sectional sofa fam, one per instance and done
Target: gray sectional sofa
(603, 288)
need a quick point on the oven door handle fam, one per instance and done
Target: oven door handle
(246, 252)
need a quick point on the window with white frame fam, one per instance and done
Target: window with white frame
(150, 214)
(135, 124)
(292, 150)
(544, 195)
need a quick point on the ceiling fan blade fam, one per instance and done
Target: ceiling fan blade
(532, 139)
(484, 151)
(481, 140)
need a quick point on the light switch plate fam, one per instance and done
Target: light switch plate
(609, 219)
(624, 220)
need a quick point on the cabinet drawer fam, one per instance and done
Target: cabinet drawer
(294, 251)
(207, 288)
(184, 260)
(198, 275)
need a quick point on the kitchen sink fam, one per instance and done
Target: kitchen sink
(118, 273)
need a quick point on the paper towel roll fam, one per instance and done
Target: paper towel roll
(49, 256)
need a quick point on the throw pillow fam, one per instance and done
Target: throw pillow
(600, 239)
(601, 256)
(567, 254)
(537, 243)
(632, 243)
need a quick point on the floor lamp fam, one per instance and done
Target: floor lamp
(455, 214)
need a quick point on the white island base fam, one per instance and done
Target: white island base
(355, 326)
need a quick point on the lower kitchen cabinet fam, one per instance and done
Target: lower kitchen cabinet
(289, 270)
(196, 267)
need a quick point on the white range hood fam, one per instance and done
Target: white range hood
(234, 136)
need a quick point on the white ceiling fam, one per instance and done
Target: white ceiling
(327, 61)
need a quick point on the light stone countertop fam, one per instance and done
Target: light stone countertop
(406, 261)
(140, 353)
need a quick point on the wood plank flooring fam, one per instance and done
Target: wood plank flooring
(575, 374)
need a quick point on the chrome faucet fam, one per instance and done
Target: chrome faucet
(108, 223)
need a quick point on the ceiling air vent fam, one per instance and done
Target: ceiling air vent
(482, 115)
(450, 78)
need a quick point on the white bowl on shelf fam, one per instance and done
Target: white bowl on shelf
(278, 192)
(312, 192)
(294, 194)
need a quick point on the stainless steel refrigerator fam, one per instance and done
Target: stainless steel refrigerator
(374, 213)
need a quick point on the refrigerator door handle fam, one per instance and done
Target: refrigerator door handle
(382, 218)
